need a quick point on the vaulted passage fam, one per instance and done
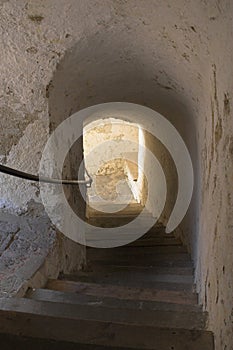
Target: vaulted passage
(157, 290)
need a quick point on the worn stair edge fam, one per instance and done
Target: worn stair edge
(148, 242)
(9, 342)
(161, 284)
(130, 229)
(129, 252)
(124, 292)
(173, 249)
(155, 318)
(153, 243)
(75, 298)
(46, 320)
(112, 268)
(169, 249)
(135, 262)
(131, 277)
(150, 237)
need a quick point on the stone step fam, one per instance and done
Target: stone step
(157, 316)
(158, 294)
(64, 322)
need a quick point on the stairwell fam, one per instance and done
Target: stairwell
(139, 296)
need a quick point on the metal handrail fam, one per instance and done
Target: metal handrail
(22, 175)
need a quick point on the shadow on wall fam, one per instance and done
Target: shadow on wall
(105, 68)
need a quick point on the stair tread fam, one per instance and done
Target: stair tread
(136, 262)
(63, 322)
(177, 249)
(84, 299)
(114, 268)
(9, 342)
(136, 279)
(159, 317)
(124, 292)
(96, 237)
(130, 238)
(131, 254)
(154, 242)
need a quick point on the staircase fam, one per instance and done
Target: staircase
(139, 296)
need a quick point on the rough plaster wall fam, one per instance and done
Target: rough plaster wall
(112, 64)
(164, 54)
(169, 169)
(29, 55)
(215, 262)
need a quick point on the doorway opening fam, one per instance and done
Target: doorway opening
(114, 159)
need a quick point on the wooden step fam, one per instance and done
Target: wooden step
(64, 322)
(92, 300)
(138, 256)
(157, 317)
(156, 241)
(128, 237)
(168, 250)
(162, 270)
(116, 210)
(12, 342)
(110, 221)
(121, 237)
(153, 233)
(146, 262)
(180, 282)
(143, 257)
(124, 292)
(158, 238)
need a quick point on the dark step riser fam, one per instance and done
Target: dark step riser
(125, 278)
(137, 283)
(135, 250)
(99, 268)
(155, 318)
(120, 292)
(145, 263)
(13, 342)
(101, 333)
(146, 253)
